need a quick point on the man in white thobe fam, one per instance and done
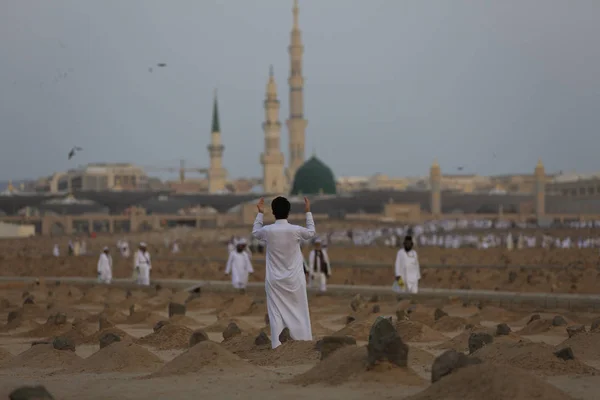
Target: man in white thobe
(56, 251)
(105, 267)
(285, 283)
(143, 265)
(319, 266)
(239, 266)
(407, 266)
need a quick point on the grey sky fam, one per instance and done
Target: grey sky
(390, 84)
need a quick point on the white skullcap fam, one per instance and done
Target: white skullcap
(242, 241)
(318, 240)
(105, 248)
(142, 244)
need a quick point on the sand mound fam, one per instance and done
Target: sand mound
(205, 355)
(46, 330)
(206, 300)
(537, 357)
(486, 381)
(183, 320)
(118, 357)
(238, 305)
(450, 324)
(460, 342)
(412, 331)
(585, 346)
(111, 314)
(536, 327)
(358, 329)
(221, 324)
(419, 357)
(171, 336)
(143, 317)
(95, 338)
(20, 323)
(350, 363)
(295, 352)
(496, 314)
(244, 347)
(42, 356)
(5, 355)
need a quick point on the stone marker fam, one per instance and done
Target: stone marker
(198, 336)
(350, 319)
(477, 340)
(13, 315)
(231, 331)
(565, 354)
(30, 393)
(158, 326)
(376, 309)
(104, 323)
(356, 303)
(575, 329)
(28, 300)
(262, 339)
(57, 319)
(559, 321)
(534, 317)
(385, 344)
(329, 344)
(108, 338)
(438, 314)
(284, 336)
(63, 343)
(176, 309)
(449, 362)
(503, 330)
(36, 342)
(128, 294)
(512, 277)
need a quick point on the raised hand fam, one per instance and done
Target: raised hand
(306, 205)
(261, 205)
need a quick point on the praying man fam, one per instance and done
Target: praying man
(285, 283)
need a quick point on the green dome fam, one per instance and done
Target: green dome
(314, 177)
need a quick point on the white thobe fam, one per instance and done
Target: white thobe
(105, 268)
(56, 251)
(285, 285)
(407, 266)
(239, 266)
(175, 249)
(317, 271)
(143, 266)
(125, 250)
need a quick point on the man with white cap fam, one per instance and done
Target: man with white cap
(319, 266)
(143, 265)
(239, 266)
(105, 266)
(407, 269)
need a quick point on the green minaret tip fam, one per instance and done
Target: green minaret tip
(215, 118)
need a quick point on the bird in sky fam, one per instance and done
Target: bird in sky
(73, 151)
(161, 65)
(460, 168)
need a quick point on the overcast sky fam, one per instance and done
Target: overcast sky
(390, 84)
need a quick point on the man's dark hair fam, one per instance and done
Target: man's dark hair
(281, 207)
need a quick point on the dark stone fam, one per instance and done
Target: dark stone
(108, 338)
(502, 330)
(350, 319)
(385, 344)
(559, 321)
(176, 309)
(57, 283)
(595, 325)
(57, 319)
(28, 300)
(267, 321)
(449, 362)
(63, 343)
(30, 393)
(575, 329)
(36, 342)
(13, 315)
(104, 323)
(477, 340)
(512, 276)
(197, 337)
(158, 326)
(374, 299)
(329, 344)
(376, 309)
(534, 317)
(437, 314)
(231, 331)
(285, 336)
(262, 339)
(565, 354)
(157, 287)
(25, 294)
(128, 294)
(469, 327)
(356, 303)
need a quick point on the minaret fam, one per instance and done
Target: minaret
(540, 190)
(272, 159)
(296, 123)
(435, 182)
(217, 175)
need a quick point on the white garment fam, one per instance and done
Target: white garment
(56, 251)
(105, 268)
(83, 249)
(175, 249)
(320, 279)
(239, 266)
(407, 266)
(143, 267)
(285, 285)
(125, 250)
(318, 272)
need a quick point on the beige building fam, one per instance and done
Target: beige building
(574, 185)
(99, 177)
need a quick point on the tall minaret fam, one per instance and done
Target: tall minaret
(435, 182)
(217, 175)
(540, 189)
(296, 123)
(272, 159)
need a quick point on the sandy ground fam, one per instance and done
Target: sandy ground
(163, 366)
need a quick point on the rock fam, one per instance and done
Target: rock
(231, 331)
(284, 336)
(356, 303)
(157, 327)
(63, 343)
(565, 354)
(376, 309)
(350, 319)
(262, 339)
(267, 321)
(575, 329)
(25, 294)
(128, 294)
(104, 323)
(36, 342)
(449, 362)
(13, 315)
(176, 309)
(477, 340)
(30, 393)
(534, 317)
(28, 300)
(595, 325)
(57, 319)
(374, 299)
(502, 330)
(198, 336)
(512, 276)
(385, 344)
(559, 321)
(437, 314)
(108, 338)
(329, 344)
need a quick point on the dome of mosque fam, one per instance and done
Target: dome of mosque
(314, 177)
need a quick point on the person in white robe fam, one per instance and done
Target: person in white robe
(143, 265)
(319, 266)
(407, 266)
(56, 251)
(125, 252)
(285, 283)
(105, 266)
(175, 248)
(76, 248)
(239, 266)
(509, 242)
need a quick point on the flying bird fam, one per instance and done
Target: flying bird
(460, 168)
(161, 65)
(73, 151)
